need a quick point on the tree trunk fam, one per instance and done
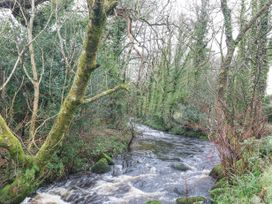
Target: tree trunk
(36, 171)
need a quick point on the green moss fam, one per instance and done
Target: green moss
(108, 158)
(191, 200)
(24, 184)
(101, 167)
(9, 141)
(153, 202)
(217, 172)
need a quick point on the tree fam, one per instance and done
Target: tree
(34, 167)
(228, 136)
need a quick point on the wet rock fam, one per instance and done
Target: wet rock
(108, 158)
(153, 202)
(117, 170)
(101, 167)
(122, 190)
(180, 167)
(217, 172)
(191, 200)
(180, 190)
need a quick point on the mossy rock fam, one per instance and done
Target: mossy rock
(153, 202)
(191, 200)
(180, 167)
(217, 172)
(108, 158)
(101, 167)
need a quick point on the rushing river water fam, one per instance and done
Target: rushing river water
(160, 166)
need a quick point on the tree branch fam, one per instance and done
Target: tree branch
(11, 4)
(86, 65)
(262, 11)
(105, 93)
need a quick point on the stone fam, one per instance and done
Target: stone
(180, 167)
(101, 167)
(108, 158)
(217, 172)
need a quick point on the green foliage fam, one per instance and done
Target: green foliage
(176, 93)
(106, 144)
(191, 200)
(75, 155)
(241, 190)
(56, 167)
(266, 183)
(250, 185)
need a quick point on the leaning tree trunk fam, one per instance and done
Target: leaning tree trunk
(35, 169)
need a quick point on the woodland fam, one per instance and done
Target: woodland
(75, 74)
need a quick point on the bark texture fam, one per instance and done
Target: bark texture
(34, 173)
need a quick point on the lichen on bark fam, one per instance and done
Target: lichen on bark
(33, 174)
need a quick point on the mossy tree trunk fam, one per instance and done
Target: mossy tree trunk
(35, 166)
(228, 139)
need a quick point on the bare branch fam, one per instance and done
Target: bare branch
(105, 93)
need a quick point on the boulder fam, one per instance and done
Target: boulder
(180, 167)
(217, 172)
(101, 167)
(108, 158)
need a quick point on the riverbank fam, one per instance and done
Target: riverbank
(252, 183)
(78, 153)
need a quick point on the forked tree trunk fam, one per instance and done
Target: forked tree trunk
(35, 167)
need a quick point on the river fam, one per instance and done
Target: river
(160, 166)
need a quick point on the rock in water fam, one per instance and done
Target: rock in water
(217, 172)
(108, 158)
(101, 167)
(117, 170)
(180, 167)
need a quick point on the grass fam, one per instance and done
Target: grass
(252, 186)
